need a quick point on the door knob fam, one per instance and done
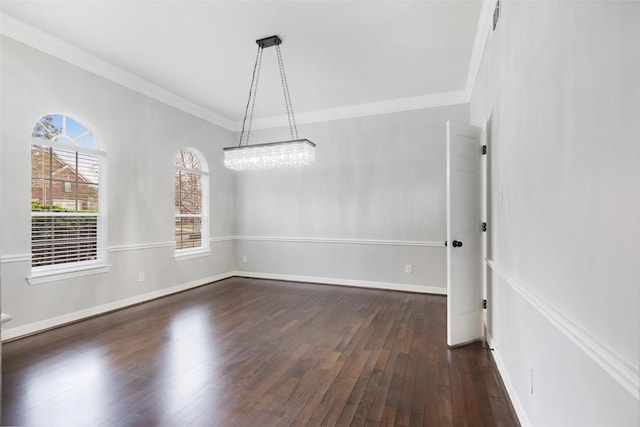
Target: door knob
(456, 244)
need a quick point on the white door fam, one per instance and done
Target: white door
(464, 279)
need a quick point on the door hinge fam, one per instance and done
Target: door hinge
(484, 226)
(484, 150)
(484, 304)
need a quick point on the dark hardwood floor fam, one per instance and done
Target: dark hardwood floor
(246, 352)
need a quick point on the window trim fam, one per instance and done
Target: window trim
(191, 253)
(38, 278)
(48, 273)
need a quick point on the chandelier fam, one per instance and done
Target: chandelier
(293, 152)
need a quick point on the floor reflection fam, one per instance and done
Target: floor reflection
(190, 359)
(78, 379)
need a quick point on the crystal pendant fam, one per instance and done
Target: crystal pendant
(298, 152)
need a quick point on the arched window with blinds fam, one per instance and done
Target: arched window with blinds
(66, 210)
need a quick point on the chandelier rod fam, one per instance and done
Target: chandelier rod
(251, 95)
(255, 94)
(253, 90)
(287, 96)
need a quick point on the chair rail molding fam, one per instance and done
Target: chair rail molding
(141, 246)
(343, 241)
(7, 259)
(620, 369)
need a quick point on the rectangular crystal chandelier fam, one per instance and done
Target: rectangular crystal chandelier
(295, 152)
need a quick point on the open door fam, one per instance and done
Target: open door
(464, 262)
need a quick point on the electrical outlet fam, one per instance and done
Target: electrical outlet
(244, 258)
(141, 276)
(530, 375)
(407, 269)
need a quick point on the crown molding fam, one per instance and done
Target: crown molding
(485, 20)
(442, 99)
(363, 110)
(31, 36)
(22, 32)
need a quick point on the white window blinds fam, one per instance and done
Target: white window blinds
(66, 225)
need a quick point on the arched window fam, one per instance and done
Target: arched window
(191, 202)
(66, 222)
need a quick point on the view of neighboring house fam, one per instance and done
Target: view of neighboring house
(56, 182)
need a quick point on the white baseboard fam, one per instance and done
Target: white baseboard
(43, 325)
(511, 391)
(345, 282)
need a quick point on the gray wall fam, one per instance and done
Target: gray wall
(560, 84)
(141, 137)
(373, 202)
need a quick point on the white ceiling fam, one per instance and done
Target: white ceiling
(336, 53)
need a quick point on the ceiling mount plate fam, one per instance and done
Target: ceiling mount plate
(269, 41)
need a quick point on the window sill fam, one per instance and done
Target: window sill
(54, 276)
(191, 255)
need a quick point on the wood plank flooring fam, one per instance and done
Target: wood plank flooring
(247, 352)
